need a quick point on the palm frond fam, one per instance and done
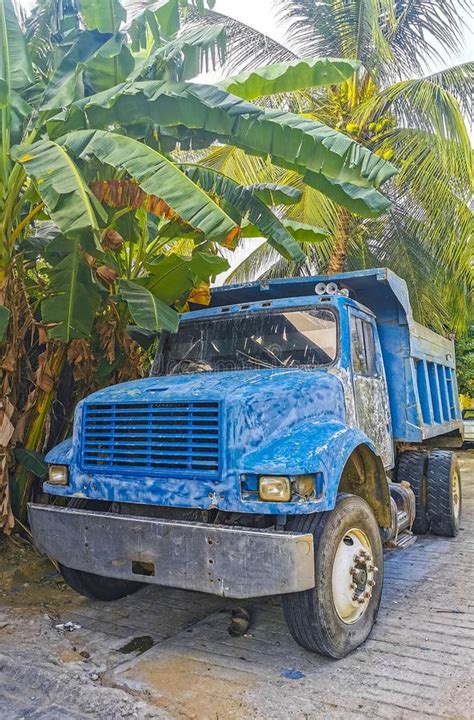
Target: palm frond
(457, 80)
(419, 103)
(425, 31)
(247, 48)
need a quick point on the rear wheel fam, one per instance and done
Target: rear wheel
(444, 493)
(337, 615)
(412, 467)
(98, 587)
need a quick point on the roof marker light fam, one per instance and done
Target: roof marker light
(331, 288)
(320, 288)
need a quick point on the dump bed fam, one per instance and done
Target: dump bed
(419, 363)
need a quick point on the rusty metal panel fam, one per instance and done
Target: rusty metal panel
(228, 561)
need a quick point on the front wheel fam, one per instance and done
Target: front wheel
(337, 615)
(98, 587)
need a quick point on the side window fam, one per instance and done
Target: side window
(363, 347)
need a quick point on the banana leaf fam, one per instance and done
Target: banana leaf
(156, 175)
(290, 76)
(16, 71)
(73, 298)
(248, 206)
(272, 194)
(301, 232)
(362, 201)
(148, 311)
(62, 188)
(291, 141)
(106, 16)
(66, 82)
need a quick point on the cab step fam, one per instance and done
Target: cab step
(404, 540)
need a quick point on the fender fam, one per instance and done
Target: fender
(316, 446)
(61, 454)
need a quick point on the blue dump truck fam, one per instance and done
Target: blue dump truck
(286, 434)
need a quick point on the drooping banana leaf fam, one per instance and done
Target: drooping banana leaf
(290, 140)
(148, 311)
(73, 298)
(110, 65)
(156, 175)
(173, 277)
(273, 194)
(62, 89)
(290, 76)
(106, 16)
(161, 18)
(248, 206)
(363, 201)
(301, 232)
(15, 66)
(201, 49)
(61, 186)
(193, 51)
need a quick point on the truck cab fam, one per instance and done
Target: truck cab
(262, 456)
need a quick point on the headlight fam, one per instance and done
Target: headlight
(58, 475)
(274, 489)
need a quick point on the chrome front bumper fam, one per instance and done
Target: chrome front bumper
(229, 561)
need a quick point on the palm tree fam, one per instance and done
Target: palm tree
(393, 107)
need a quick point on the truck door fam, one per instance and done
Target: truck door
(370, 387)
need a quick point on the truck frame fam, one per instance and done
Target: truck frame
(286, 434)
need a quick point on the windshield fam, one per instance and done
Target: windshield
(260, 340)
(468, 414)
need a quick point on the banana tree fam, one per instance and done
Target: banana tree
(108, 113)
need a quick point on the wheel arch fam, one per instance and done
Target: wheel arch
(364, 475)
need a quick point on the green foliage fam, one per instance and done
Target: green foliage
(247, 203)
(105, 16)
(290, 140)
(62, 187)
(4, 320)
(156, 175)
(422, 226)
(73, 298)
(32, 462)
(290, 76)
(148, 311)
(465, 364)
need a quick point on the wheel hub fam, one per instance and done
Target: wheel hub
(354, 574)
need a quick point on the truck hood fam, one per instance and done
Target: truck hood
(258, 405)
(302, 385)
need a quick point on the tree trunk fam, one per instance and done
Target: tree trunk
(338, 258)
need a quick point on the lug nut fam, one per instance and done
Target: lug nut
(371, 583)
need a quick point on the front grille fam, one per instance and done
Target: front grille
(151, 438)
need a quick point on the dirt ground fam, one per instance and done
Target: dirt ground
(166, 654)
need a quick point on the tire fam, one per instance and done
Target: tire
(97, 587)
(444, 493)
(312, 616)
(412, 467)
